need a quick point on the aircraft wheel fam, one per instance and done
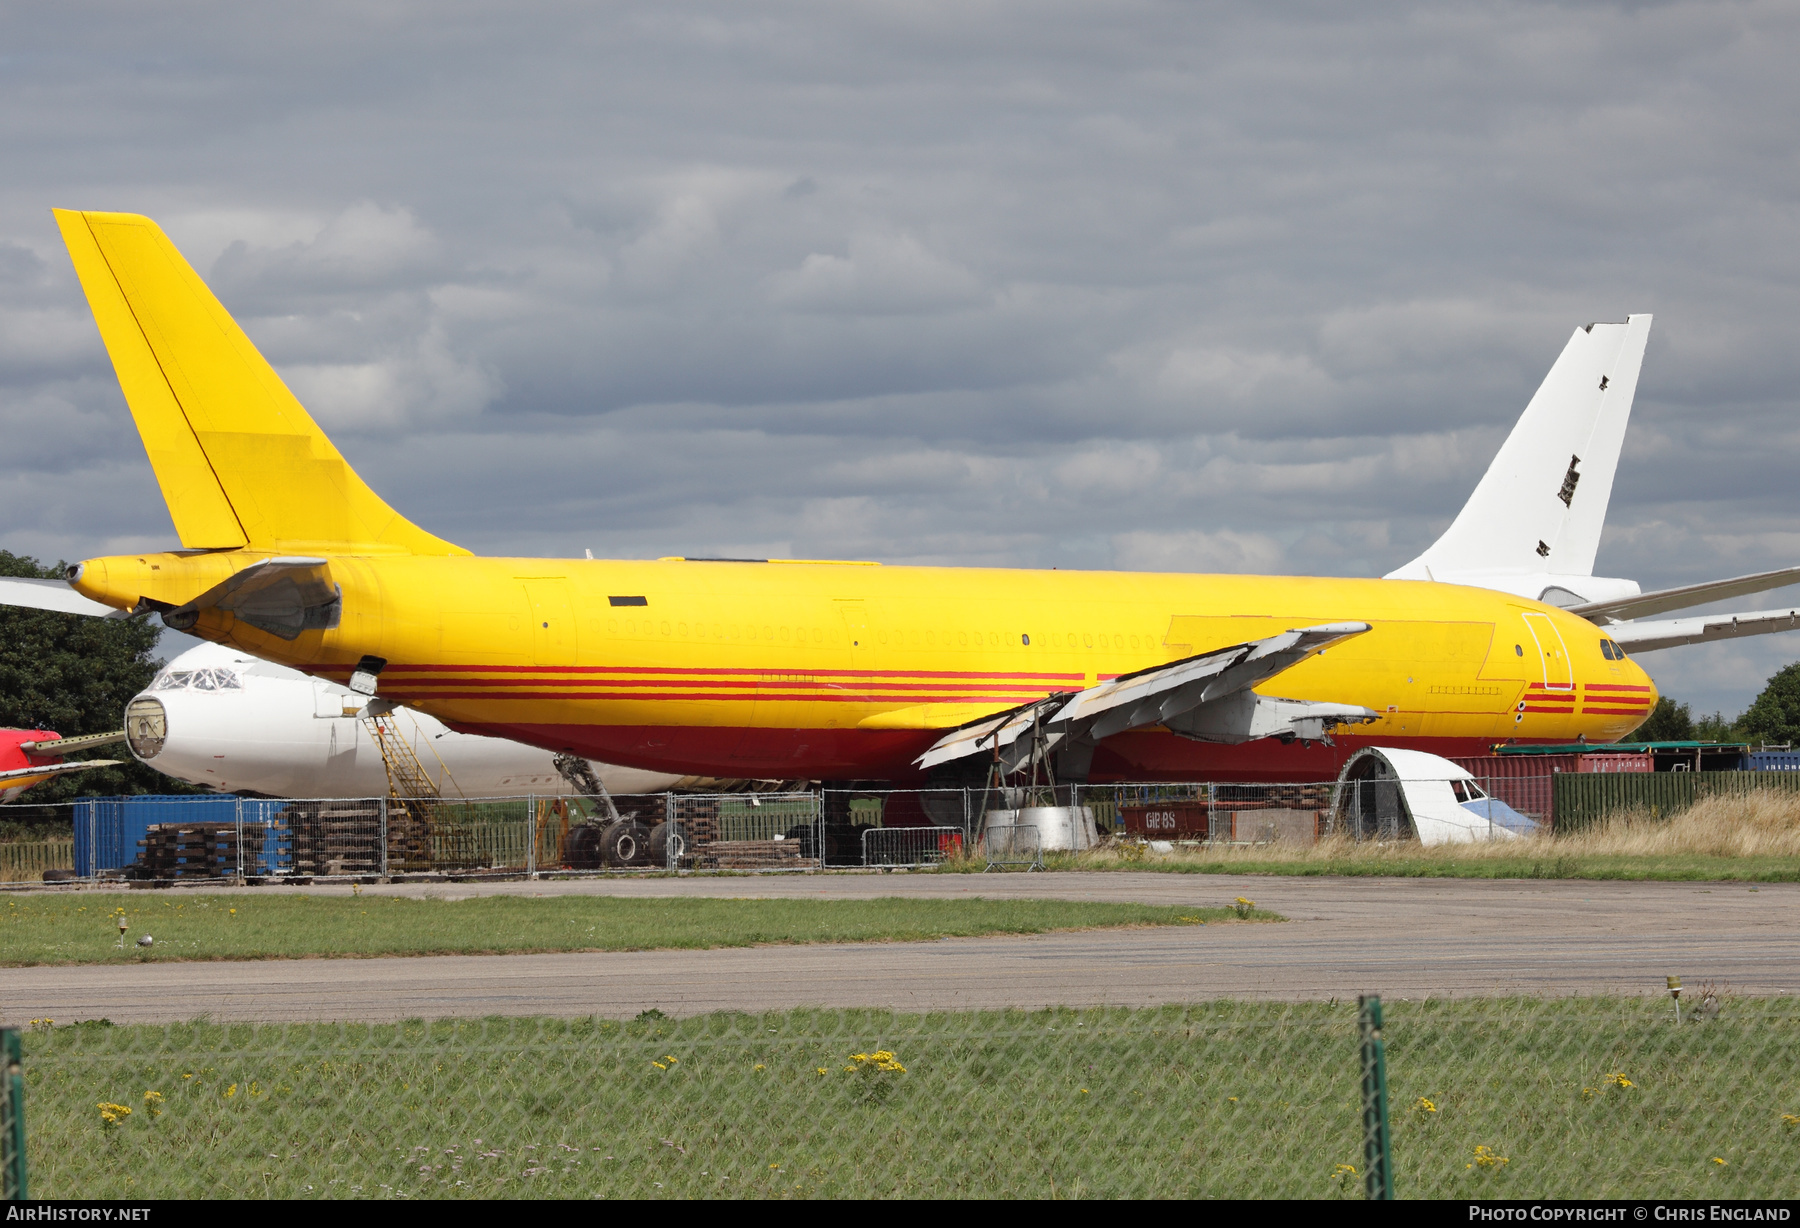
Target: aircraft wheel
(658, 854)
(582, 848)
(624, 843)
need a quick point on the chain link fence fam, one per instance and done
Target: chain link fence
(1504, 1098)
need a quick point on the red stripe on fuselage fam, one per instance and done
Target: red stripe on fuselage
(748, 685)
(845, 697)
(696, 672)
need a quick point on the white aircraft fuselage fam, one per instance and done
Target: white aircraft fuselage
(222, 719)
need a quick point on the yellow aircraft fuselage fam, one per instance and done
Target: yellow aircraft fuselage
(849, 671)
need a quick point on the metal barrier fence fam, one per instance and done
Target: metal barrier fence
(892, 847)
(1509, 1098)
(1013, 844)
(186, 837)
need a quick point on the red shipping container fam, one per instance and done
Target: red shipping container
(1521, 781)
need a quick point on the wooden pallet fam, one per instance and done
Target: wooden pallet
(335, 839)
(190, 850)
(748, 855)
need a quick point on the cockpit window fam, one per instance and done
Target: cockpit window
(1610, 650)
(199, 680)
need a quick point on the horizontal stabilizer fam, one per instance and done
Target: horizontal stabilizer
(1686, 597)
(1702, 629)
(1207, 697)
(280, 596)
(52, 595)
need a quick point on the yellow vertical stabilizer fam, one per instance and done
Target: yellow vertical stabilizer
(240, 461)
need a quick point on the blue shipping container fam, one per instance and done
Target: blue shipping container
(109, 830)
(1774, 760)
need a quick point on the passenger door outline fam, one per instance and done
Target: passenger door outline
(1553, 654)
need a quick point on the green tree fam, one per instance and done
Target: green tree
(1667, 722)
(1717, 728)
(1775, 714)
(74, 674)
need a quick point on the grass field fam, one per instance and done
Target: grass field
(1491, 1098)
(82, 928)
(1747, 838)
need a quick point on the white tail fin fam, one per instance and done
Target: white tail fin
(1539, 509)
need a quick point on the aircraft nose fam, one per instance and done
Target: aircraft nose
(146, 726)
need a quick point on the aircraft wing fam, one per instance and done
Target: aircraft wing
(1208, 697)
(1701, 629)
(66, 746)
(1687, 596)
(52, 595)
(25, 777)
(282, 596)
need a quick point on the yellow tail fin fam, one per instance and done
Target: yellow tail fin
(240, 461)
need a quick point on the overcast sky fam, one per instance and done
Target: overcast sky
(1144, 286)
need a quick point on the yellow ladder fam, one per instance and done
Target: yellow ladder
(406, 775)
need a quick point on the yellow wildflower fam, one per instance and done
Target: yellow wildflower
(1485, 1157)
(153, 1102)
(1423, 1105)
(1717, 1160)
(112, 1114)
(1617, 1079)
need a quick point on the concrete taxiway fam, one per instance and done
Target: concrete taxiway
(1399, 937)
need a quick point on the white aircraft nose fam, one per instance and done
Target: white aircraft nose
(146, 727)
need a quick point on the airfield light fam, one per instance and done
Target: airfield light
(1675, 993)
(122, 927)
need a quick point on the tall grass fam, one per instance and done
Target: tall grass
(1747, 836)
(1763, 824)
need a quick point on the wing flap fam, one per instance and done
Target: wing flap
(1220, 679)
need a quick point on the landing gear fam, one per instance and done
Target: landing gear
(657, 853)
(625, 842)
(582, 849)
